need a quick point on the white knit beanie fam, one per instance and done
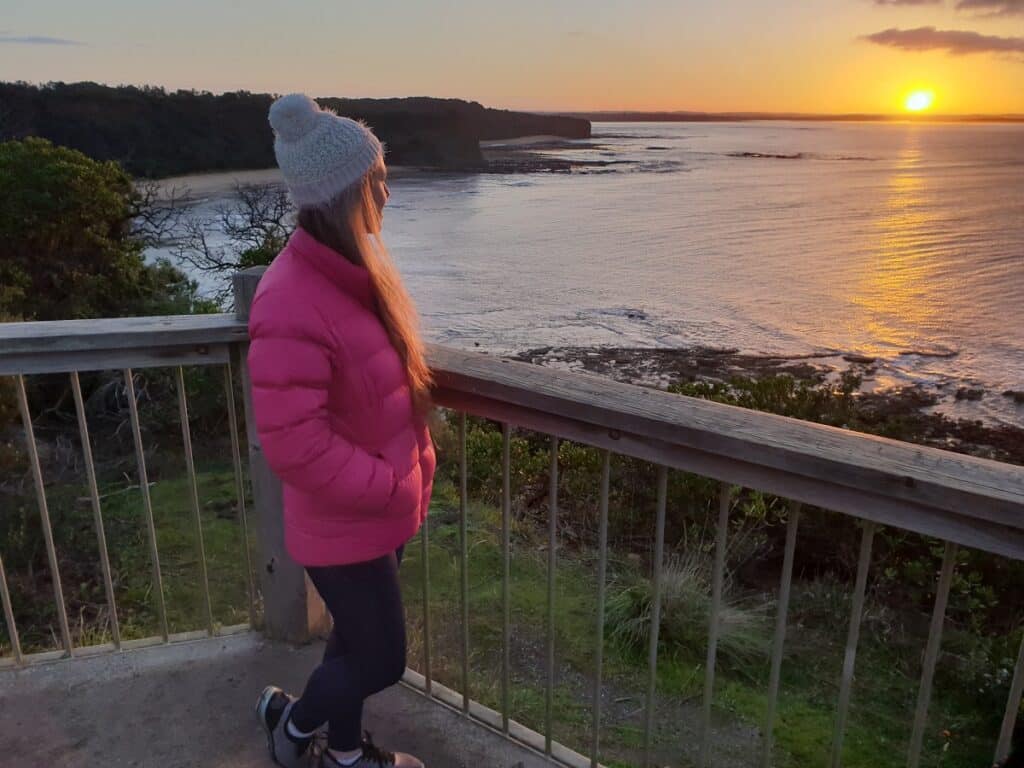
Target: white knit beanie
(319, 153)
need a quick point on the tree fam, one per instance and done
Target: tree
(72, 236)
(70, 245)
(256, 225)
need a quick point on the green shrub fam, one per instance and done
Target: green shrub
(685, 618)
(68, 245)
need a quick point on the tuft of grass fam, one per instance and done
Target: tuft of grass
(686, 615)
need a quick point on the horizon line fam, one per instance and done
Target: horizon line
(789, 115)
(723, 115)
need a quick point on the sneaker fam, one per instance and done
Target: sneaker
(373, 757)
(273, 709)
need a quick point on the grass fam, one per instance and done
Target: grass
(131, 566)
(961, 731)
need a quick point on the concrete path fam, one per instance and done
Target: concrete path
(191, 704)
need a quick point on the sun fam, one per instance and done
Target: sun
(918, 101)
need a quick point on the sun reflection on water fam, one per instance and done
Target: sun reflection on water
(895, 304)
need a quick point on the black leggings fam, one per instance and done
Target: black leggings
(365, 652)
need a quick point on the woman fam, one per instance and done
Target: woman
(341, 391)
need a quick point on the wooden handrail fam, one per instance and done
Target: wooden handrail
(62, 346)
(952, 496)
(969, 500)
(57, 336)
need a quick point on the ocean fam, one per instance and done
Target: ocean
(900, 242)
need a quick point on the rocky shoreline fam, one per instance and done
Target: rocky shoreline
(536, 154)
(909, 407)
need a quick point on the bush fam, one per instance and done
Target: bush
(71, 248)
(67, 245)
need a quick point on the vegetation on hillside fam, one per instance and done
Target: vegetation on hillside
(155, 133)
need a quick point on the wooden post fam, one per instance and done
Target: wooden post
(292, 609)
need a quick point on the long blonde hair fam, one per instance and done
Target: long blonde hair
(350, 225)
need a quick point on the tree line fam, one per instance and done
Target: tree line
(155, 133)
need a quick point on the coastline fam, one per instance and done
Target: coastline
(949, 380)
(911, 407)
(520, 155)
(210, 183)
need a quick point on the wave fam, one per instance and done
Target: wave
(658, 166)
(937, 352)
(797, 156)
(769, 155)
(630, 313)
(638, 136)
(629, 166)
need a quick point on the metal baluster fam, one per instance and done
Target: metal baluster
(717, 579)
(931, 654)
(236, 459)
(602, 571)
(12, 628)
(97, 513)
(425, 543)
(44, 514)
(652, 650)
(147, 503)
(780, 632)
(850, 657)
(464, 560)
(186, 437)
(506, 548)
(552, 546)
(1012, 707)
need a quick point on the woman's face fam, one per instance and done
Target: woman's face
(379, 187)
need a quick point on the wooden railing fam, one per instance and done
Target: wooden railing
(958, 499)
(126, 344)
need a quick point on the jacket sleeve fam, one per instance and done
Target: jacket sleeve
(291, 359)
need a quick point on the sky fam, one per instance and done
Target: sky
(812, 56)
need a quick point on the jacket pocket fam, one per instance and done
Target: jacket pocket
(407, 496)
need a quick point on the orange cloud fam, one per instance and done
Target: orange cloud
(992, 7)
(953, 41)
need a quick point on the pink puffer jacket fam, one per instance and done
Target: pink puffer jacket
(333, 410)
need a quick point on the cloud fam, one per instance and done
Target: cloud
(36, 40)
(908, 2)
(953, 41)
(992, 7)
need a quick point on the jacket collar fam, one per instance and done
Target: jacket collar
(352, 279)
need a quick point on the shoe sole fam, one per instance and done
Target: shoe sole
(261, 712)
